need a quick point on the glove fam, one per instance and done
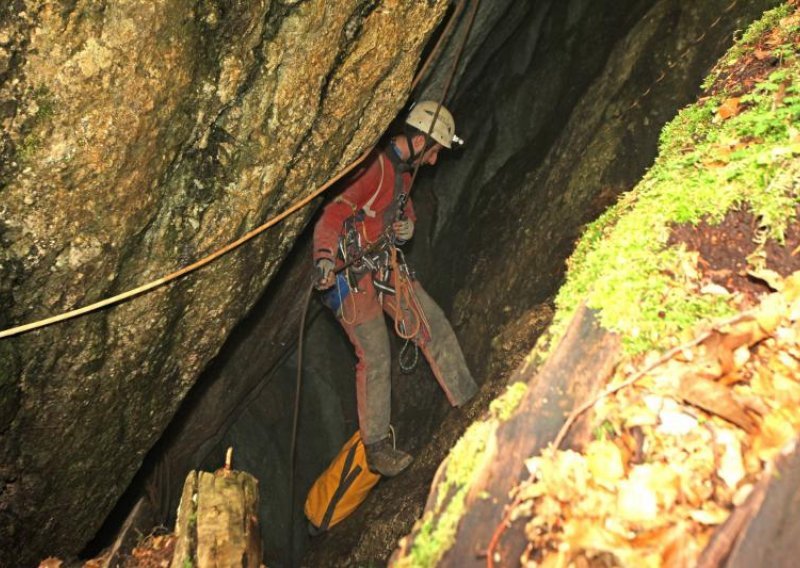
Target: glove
(325, 276)
(403, 229)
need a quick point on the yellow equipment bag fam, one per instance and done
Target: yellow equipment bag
(341, 488)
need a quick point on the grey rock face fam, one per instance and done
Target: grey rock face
(567, 121)
(139, 136)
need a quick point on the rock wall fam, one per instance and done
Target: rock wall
(138, 136)
(561, 115)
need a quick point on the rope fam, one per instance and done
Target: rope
(147, 287)
(671, 64)
(296, 418)
(447, 85)
(191, 267)
(406, 302)
(408, 365)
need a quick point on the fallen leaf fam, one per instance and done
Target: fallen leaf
(636, 501)
(777, 430)
(680, 548)
(605, 462)
(711, 514)
(742, 494)
(585, 534)
(715, 290)
(715, 398)
(731, 467)
(675, 422)
(728, 108)
(762, 54)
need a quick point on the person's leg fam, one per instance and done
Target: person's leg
(373, 377)
(441, 349)
(366, 330)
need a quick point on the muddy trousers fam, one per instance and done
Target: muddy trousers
(362, 316)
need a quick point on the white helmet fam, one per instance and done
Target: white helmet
(444, 131)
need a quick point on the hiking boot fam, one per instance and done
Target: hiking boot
(383, 458)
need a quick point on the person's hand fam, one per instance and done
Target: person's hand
(403, 229)
(325, 275)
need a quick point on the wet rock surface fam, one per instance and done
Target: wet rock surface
(561, 119)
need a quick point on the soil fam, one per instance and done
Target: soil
(724, 249)
(740, 78)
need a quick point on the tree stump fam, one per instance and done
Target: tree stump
(218, 521)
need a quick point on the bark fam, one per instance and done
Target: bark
(218, 521)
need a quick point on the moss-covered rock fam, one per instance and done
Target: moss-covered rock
(738, 148)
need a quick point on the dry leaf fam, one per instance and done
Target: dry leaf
(715, 398)
(731, 467)
(584, 534)
(762, 54)
(777, 430)
(711, 514)
(51, 562)
(728, 108)
(742, 494)
(605, 463)
(648, 488)
(636, 502)
(715, 290)
(680, 548)
(675, 422)
(769, 277)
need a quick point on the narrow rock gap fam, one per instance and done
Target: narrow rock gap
(497, 221)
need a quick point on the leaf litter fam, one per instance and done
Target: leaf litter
(675, 451)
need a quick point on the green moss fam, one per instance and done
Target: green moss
(438, 529)
(623, 266)
(626, 270)
(504, 405)
(46, 103)
(28, 147)
(45, 110)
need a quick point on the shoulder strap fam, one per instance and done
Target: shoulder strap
(368, 205)
(345, 481)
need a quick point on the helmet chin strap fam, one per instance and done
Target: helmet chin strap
(412, 152)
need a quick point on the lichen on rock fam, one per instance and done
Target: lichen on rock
(139, 136)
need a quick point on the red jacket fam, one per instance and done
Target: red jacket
(373, 190)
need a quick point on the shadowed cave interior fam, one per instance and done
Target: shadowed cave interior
(560, 104)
